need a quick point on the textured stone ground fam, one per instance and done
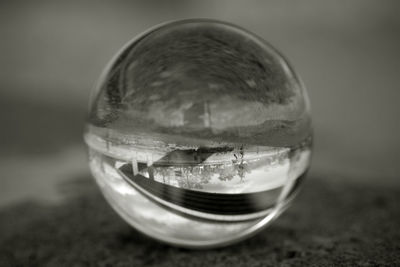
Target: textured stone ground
(331, 223)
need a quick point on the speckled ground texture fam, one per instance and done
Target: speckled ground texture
(331, 223)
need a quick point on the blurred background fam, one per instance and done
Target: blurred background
(52, 52)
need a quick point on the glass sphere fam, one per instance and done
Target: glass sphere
(199, 133)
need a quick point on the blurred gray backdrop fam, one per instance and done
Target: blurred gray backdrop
(52, 52)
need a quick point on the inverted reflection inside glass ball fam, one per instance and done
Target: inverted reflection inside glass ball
(199, 133)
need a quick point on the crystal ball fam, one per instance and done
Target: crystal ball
(199, 133)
